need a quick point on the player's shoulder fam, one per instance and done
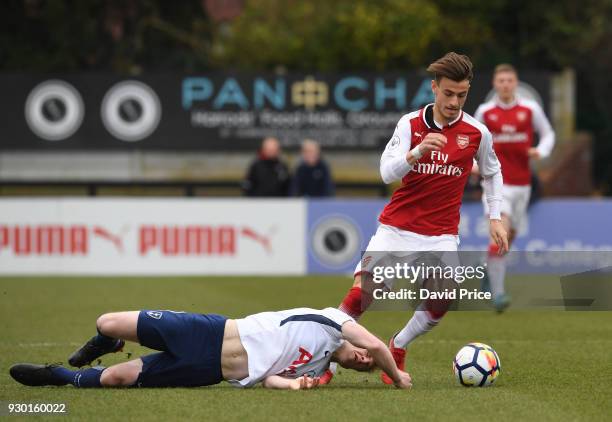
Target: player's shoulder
(338, 316)
(486, 106)
(298, 311)
(328, 319)
(332, 313)
(407, 118)
(473, 122)
(530, 104)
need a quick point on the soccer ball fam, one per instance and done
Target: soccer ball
(476, 364)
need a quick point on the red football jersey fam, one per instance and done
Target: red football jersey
(429, 198)
(512, 126)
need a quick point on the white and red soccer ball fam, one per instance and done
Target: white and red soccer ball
(476, 365)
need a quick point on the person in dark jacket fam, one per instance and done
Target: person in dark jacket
(312, 177)
(267, 175)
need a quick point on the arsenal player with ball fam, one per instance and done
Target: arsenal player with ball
(431, 152)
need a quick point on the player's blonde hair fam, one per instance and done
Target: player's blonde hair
(311, 142)
(504, 67)
(456, 67)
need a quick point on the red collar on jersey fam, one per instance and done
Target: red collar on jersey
(428, 117)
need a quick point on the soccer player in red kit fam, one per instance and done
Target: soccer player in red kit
(432, 152)
(512, 122)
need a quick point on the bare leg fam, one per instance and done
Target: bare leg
(121, 375)
(120, 325)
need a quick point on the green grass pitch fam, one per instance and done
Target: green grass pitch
(555, 365)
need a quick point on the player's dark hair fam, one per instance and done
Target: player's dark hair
(456, 67)
(504, 67)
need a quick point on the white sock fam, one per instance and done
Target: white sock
(420, 323)
(496, 268)
(333, 367)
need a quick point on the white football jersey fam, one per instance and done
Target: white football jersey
(290, 343)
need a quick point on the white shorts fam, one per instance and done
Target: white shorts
(515, 200)
(406, 245)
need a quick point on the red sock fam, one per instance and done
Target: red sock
(351, 304)
(437, 308)
(436, 314)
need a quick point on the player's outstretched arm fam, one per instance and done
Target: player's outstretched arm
(280, 383)
(360, 337)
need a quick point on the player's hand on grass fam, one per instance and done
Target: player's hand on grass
(533, 153)
(405, 380)
(306, 383)
(499, 235)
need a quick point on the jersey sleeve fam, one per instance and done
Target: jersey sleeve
(393, 164)
(544, 129)
(479, 114)
(488, 163)
(490, 169)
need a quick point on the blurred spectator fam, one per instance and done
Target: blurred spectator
(267, 175)
(312, 176)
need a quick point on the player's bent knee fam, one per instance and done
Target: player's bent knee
(104, 322)
(108, 324)
(119, 376)
(110, 378)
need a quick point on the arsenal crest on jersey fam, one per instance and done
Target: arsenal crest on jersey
(463, 141)
(521, 115)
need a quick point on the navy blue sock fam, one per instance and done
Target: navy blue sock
(88, 378)
(64, 374)
(83, 378)
(102, 340)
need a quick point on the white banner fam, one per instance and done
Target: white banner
(152, 236)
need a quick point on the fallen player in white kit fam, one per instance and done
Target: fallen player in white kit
(285, 349)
